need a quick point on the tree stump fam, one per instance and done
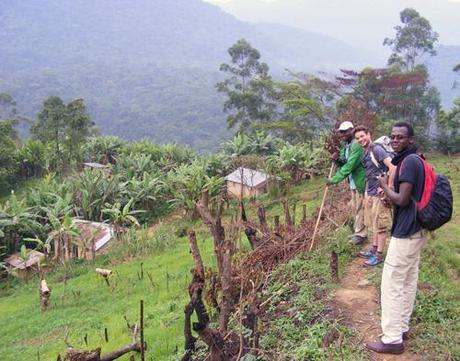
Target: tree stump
(45, 293)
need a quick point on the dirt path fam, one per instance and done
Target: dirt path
(356, 301)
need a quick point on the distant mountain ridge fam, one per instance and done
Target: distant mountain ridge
(442, 75)
(146, 68)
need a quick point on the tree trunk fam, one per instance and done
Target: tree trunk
(120, 352)
(287, 215)
(334, 263)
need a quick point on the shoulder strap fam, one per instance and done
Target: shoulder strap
(372, 155)
(428, 184)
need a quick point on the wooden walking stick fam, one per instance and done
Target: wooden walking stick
(321, 208)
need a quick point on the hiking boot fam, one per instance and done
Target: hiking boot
(355, 239)
(367, 253)
(405, 335)
(380, 347)
(373, 261)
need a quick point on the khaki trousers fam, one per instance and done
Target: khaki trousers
(358, 209)
(399, 285)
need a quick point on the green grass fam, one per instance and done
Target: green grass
(85, 305)
(436, 319)
(300, 316)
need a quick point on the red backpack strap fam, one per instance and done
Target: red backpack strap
(429, 183)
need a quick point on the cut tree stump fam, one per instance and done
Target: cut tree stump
(45, 293)
(105, 273)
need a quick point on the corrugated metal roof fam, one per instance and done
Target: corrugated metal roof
(102, 232)
(16, 261)
(249, 177)
(95, 165)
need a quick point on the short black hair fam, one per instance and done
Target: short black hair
(409, 128)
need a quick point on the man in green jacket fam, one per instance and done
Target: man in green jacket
(351, 168)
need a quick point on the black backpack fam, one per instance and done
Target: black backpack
(436, 205)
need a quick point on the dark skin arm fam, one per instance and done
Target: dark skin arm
(400, 199)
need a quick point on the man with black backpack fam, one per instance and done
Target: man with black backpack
(377, 216)
(419, 197)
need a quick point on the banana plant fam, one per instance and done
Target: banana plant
(121, 216)
(17, 220)
(63, 234)
(92, 189)
(187, 183)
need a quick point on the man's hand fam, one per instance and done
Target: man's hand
(383, 181)
(335, 156)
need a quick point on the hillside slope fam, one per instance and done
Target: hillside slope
(148, 68)
(145, 68)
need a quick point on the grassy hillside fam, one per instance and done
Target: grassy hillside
(82, 304)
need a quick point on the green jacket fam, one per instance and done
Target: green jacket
(352, 166)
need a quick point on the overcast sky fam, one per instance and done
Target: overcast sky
(359, 22)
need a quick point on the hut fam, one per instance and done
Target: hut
(245, 182)
(92, 237)
(21, 267)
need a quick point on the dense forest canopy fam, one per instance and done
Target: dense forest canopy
(148, 69)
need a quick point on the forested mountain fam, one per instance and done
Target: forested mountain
(442, 75)
(145, 68)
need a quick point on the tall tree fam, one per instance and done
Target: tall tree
(456, 69)
(390, 94)
(8, 148)
(50, 124)
(414, 39)
(249, 88)
(65, 126)
(307, 108)
(78, 126)
(448, 139)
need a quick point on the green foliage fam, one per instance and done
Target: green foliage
(308, 108)
(102, 149)
(92, 189)
(414, 39)
(65, 127)
(121, 216)
(32, 159)
(448, 139)
(7, 155)
(16, 221)
(188, 182)
(249, 88)
(293, 162)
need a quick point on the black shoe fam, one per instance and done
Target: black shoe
(391, 348)
(405, 336)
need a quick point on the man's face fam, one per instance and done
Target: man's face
(363, 138)
(399, 139)
(346, 134)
